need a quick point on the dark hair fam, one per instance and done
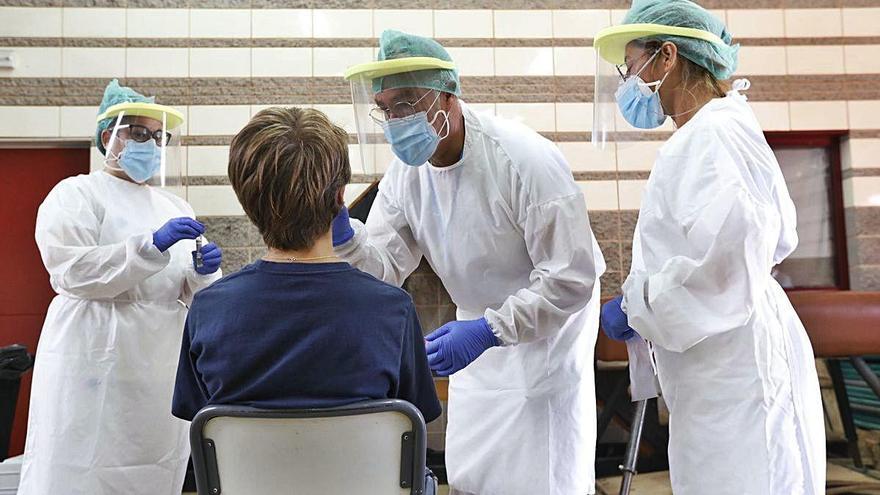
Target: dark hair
(286, 167)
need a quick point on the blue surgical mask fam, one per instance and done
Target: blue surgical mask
(140, 161)
(639, 102)
(413, 138)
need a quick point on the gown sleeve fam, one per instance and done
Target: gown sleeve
(67, 235)
(713, 288)
(560, 246)
(384, 247)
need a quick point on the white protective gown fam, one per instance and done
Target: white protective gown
(734, 362)
(507, 232)
(100, 413)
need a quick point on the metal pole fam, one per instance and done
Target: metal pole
(867, 373)
(632, 449)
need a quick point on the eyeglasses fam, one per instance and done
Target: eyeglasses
(624, 69)
(142, 134)
(401, 109)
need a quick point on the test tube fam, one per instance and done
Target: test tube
(199, 261)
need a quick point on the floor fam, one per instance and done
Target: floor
(842, 480)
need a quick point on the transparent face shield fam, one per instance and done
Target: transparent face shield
(146, 149)
(609, 125)
(377, 109)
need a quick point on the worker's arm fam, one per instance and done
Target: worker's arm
(560, 245)
(384, 247)
(67, 235)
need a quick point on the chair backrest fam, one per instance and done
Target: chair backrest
(371, 447)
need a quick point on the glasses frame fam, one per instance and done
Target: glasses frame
(154, 135)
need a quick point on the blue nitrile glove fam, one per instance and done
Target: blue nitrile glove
(342, 231)
(176, 230)
(211, 258)
(457, 343)
(614, 322)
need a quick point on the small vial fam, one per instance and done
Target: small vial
(197, 254)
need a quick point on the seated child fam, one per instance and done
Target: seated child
(298, 328)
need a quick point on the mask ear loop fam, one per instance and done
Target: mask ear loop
(109, 147)
(162, 162)
(445, 116)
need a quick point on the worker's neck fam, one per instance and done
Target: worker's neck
(320, 252)
(450, 149)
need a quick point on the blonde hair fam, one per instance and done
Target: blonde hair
(286, 167)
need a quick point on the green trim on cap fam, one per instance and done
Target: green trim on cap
(173, 118)
(382, 68)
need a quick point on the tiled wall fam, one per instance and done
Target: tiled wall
(814, 65)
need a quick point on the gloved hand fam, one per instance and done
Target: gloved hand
(342, 231)
(614, 322)
(457, 343)
(176, 230)
(211, 258)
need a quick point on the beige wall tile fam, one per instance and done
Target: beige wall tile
(26, 122)
(92, 62)
(759, 23)
(523, 24)
(631, 192)
(579, 23)
(861, 22)
(530, 61)
(762, 60)
(473, 61)
(208, 160)
(281, 23)
(637, 156)
(539, 116)
(78, 122)
(332, 62)
(463, 23)
(574, 117)
(617, 16)
(157, 23)
(342, 23)
(815, 60)
(419, 22)
(220, 62)
(584, 157)
(34, 62)
(220, 23)
(600, 194)
(282, 62)
(818, 115)
(861, 191)
(353, 191)
(214, 201)
(341, 115)
(30, 22)
(94, 23)
(862, 153)
(157, 62)
(862, 59)
(772, 115)
(813, 23)
(574, 61)
(864, 114)
(217, 120)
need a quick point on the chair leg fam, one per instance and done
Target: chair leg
(849, 427)
(632, 449)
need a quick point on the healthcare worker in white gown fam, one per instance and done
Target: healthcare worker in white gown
(119, 255)
(734, 362)
(493, 208)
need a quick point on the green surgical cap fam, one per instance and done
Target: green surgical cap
(113, 95)
(395, 45)
(719, 60)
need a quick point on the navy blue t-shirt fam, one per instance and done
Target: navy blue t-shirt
(297, 335)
